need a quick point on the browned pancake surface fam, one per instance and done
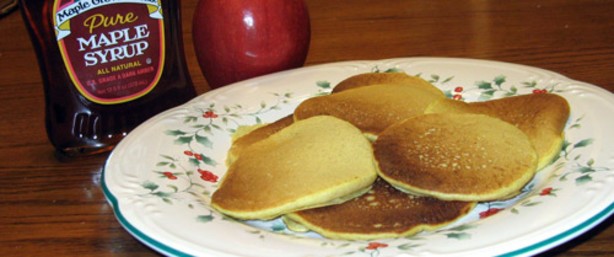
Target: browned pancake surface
(382, 212)
(374, 78)
(468, 157)
(541, 116)
(309, 163)
(256, 135)
(373, 108)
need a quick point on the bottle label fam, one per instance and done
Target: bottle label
(113, 50)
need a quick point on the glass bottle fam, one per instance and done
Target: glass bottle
(106, 66)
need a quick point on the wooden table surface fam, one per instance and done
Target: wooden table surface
(56, 207)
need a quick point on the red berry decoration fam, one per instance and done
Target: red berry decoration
(169, 175)
(546, 191)
(375, 245)
(209, 115)
(207, 175)
(489, 212)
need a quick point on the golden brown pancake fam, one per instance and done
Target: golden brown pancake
(452, 156)
(373, 108)
(383, 212)
(541, 116)
(249, 137)
(309, 163)
(374, 78)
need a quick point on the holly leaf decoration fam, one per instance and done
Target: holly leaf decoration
(393, 70)
(323, 84)
(189, 119)
(459, 236)
(150, 185)
(584, 179)
(434, 78)
(161, 194)
(183, 140)
(483, 85)
(407, 246)
(499, 80)
(203, 140)
(209, 161)
(204, 218)
(586, 170)
(583, 143)
(175, 132)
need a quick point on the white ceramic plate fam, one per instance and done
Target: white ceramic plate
(160, 177)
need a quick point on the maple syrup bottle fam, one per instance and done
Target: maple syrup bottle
(107, 66)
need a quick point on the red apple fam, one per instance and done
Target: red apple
(240, 39)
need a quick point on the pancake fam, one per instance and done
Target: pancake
(383, 212)
(452, 156)
(542, 117)
(374, 78)
(248, 136)
(372, 108)
(309, 163)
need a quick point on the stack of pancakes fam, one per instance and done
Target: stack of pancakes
(388, 155)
